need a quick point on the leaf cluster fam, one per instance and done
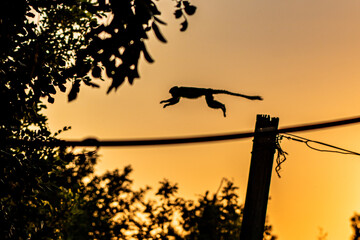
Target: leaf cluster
(184, 8)
(355, 224)
(63, 199)
(36, 198)
(52, 193)
(47, 44)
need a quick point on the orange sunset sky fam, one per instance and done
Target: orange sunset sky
(302, 56)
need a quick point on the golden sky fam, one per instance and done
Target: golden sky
(302, 56)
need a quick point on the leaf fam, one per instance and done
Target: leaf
(146, 53)
(133, 73)
(96, 72)
(158, 33)
(148, 28)
(62, 88)
(51, 89)
(118, 79)
(184, 26)
(74, 91)
(30, 14)
(154, 9)
(190, 10)
(90, 84)
(51, 99)
(131, 79)
(159, 20)
(178, 13)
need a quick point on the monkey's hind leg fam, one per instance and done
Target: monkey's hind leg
(215, 104)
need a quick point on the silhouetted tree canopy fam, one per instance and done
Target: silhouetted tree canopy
(45, 44)
(53, 193)
(355, 224)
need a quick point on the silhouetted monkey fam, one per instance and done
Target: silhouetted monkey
(192, 92)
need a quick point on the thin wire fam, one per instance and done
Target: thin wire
(308, 141)
(93, 142)
(280, 156)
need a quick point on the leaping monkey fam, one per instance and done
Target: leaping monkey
(192, 92)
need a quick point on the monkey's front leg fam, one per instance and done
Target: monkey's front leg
(170, 101)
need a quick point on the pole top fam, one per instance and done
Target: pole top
(266, 121)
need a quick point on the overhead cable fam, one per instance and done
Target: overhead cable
(308, 141)
(93, 142)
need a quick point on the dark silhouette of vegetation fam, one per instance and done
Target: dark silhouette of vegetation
(45, 44)
(355, 224)
(60, 205)
(52, 193)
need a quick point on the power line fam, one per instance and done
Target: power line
(281, 154)
(93, 142)
(308, 141)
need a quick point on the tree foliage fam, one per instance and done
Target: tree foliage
(46, 44)
(61, 205)
(355, 224)
(52, 193)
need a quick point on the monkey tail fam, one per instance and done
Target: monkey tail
(237, 94)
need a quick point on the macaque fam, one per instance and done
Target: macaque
(192, 92)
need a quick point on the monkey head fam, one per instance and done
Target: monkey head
(174, 91)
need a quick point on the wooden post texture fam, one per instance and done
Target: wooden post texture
(257, 195)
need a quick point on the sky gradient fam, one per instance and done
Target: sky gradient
(301, 56)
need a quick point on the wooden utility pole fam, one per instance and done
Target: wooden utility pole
(257, 195)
